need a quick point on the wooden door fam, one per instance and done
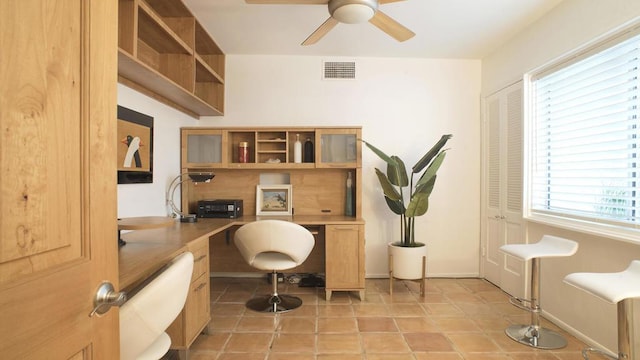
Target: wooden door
(58, 71)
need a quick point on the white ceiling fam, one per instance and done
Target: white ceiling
(466, 29)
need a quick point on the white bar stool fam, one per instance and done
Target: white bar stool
(533, 334)
(616, 288)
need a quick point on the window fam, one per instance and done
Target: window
(584, 150)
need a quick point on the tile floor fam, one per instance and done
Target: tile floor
(458, 319)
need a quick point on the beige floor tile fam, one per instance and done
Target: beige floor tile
(235, 297)
(443, 310)
(458, 319)
(377, 324)
(203, 355)
(248, 342)
(416, 324)
(339, 343)
(291, 356)
(410, 310)
(337, 325)
(456, 324)
(335, 310)
(428, 342)
(223, 323)
(260, 324)
(371, 310)
(407, 356)
(470, 343)
(297, 325)
(384, 343)
(227, 309)
(241, 356)
(437, 356)
(301, 343)
(340, 357)
(214, 341)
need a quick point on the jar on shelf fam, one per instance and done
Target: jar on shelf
(243, 152)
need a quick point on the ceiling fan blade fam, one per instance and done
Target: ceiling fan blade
(388, 1)
(321, 31)
(288, 2)
(391, 27)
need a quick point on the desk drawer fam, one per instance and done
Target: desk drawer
(200, 250)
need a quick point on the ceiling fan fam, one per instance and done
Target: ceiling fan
(349, 12)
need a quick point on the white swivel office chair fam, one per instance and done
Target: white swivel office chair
(148, 313)
(274, 245)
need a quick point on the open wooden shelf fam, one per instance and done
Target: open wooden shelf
(165, 53)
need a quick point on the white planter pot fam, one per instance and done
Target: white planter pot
(406, 262)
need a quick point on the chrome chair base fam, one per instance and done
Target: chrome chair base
(274, 303)
(539, 338)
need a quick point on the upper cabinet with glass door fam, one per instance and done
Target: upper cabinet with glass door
(338, 148)
(204, 148)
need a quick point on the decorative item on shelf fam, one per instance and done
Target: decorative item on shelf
(348, 202)
(195, 177)
(297, 150)
(274, 200)
(308, 151)
(243, 152)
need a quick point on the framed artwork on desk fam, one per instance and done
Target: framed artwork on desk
(274, 200)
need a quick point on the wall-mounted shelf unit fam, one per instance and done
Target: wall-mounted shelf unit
(164, 52)
(270, 148)
(319, 185)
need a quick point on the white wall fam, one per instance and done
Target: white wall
(149, 199)
(403, 105)
(568, 26)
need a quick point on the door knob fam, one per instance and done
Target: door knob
(105, 298)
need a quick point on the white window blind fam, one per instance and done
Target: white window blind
(585, 154)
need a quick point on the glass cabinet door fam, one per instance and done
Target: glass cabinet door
(203, 148)
(338, 148)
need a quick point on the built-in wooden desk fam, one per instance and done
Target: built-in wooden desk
(147, 251)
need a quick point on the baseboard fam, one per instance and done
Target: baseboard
(579, 335)
(431, 276)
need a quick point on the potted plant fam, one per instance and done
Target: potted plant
(409, 200)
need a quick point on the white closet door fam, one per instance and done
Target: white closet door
(502, 200)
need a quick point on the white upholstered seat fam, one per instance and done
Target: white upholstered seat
(149, 312)
(274, 245)
(618, 288)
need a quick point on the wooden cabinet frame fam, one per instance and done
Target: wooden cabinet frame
(164, 52)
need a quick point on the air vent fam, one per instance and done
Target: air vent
(339, 70)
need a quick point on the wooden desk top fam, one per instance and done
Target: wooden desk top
(147, 251)
(144, 222)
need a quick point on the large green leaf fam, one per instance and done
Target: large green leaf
(427, 187)
(432, 169)
(389, 190)
(379, 152)
(426, 159)
(397, 173)
(396, 206)
(418, 205)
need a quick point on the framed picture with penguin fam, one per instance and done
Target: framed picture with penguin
(135, 147)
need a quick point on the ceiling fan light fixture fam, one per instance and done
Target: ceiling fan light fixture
(352, 11)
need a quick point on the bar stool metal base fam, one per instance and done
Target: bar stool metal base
(274, 304)
(539, 338)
